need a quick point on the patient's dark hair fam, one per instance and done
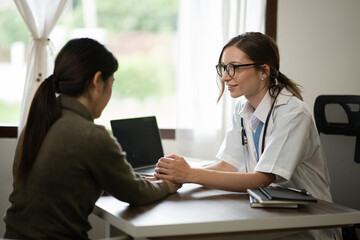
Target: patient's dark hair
(262, 49)
(75, 66)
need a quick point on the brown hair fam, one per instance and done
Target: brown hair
(262, 49)
(75, 65)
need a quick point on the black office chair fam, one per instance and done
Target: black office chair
(351, 106)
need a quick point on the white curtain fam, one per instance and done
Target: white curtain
(204, 27)
(40, 17)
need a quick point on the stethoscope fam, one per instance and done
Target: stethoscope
(243, 132)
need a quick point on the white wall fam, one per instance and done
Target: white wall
(319, 45)
(319, 48)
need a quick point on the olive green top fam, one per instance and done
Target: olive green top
(76, 162)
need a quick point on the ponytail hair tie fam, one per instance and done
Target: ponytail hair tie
(277, 75)
(55, 81)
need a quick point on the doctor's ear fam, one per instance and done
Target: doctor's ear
(264, 71)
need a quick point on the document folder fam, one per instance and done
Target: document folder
(278, 198)
(286, 194)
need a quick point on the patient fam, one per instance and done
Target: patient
(63, 161)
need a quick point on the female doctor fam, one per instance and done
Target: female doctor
(272, 138)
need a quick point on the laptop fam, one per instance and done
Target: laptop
(140, 139)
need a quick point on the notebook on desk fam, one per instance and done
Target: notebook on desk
(278, 198)
(140, 139)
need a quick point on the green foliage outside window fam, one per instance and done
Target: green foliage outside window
(9, 113)
(140, 76)
(11, 30)
(145, 15)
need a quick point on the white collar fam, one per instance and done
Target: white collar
(263, 109)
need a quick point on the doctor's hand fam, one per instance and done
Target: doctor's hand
(173, 168)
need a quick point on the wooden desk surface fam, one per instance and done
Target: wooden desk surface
(199, 210)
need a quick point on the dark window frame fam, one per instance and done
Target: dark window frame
(271, 18)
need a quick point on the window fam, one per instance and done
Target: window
(13, 45)
(142, 37)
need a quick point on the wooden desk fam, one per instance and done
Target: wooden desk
(197, 211)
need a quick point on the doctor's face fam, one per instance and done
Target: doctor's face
(246, 80)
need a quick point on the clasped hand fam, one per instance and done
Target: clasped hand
(173, 168)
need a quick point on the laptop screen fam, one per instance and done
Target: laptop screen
(140, 139)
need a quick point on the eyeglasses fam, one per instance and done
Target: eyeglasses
(230, 68)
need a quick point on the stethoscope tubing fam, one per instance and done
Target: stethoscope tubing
(243, 133)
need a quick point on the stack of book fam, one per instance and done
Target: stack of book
(279, 197)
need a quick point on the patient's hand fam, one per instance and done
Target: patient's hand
(153, 178)
(172, 186)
